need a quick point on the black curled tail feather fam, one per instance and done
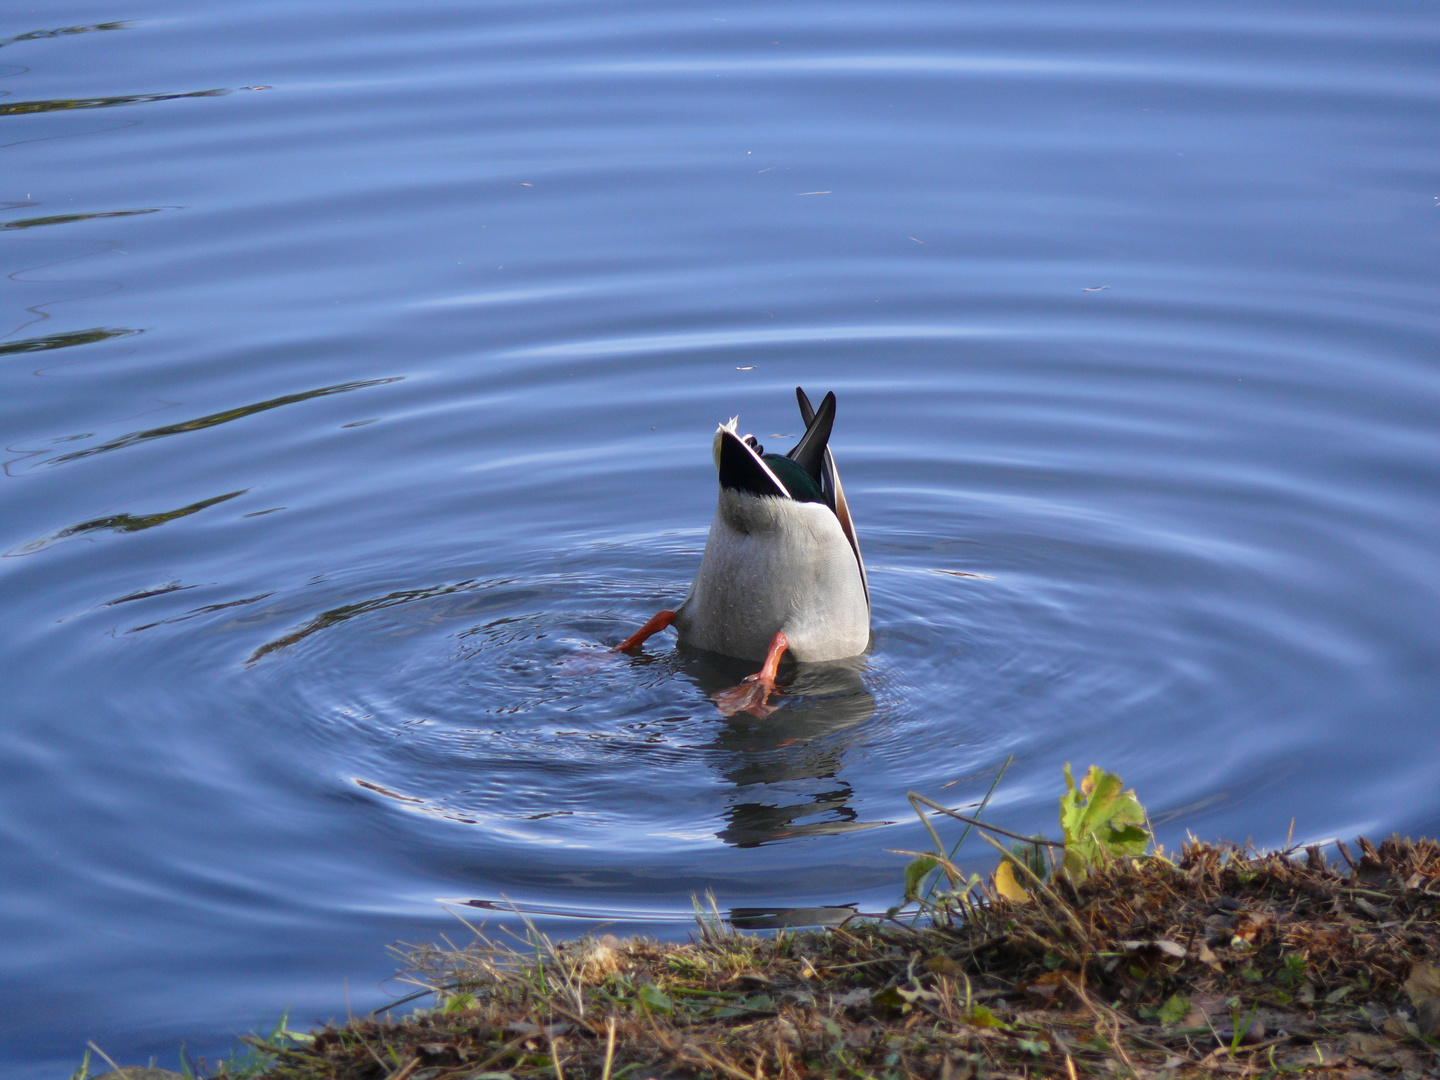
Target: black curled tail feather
(809, 452)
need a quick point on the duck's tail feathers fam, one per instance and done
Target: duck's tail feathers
(809, 452)
(829, 476)
(742, 469)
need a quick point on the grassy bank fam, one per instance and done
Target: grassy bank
(1091, 962)
(1216, 963)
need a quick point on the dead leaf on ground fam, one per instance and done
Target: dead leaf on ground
(859, 1036)
(1423, 988)
(1169, 948)
(1249, 925)
(1371, 1049)
(1250, 1033)
(1051, 987)
(943, 965)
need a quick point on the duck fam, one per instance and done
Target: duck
(782, 570)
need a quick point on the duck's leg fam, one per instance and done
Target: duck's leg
(659, 621)
(750, 696)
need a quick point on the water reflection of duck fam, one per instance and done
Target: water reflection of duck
(782, 569)
(787, 769)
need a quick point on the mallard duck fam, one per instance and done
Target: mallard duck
(782, 569)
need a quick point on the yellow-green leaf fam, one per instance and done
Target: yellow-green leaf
(981, 1017)
(915, 875)
(1101, 821)
(1007, 886)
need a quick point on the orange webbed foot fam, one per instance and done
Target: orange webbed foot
(753, 694)
(750, 696)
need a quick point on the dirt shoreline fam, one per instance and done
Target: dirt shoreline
(1218, 962)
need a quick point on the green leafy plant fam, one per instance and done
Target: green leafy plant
(260, 1055)
(916, 873)
(1238, 1029)
(1175, 1009)
(1294, 967)
(655, 998)
(1101, 821)
(458, 1002)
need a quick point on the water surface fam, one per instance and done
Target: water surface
(359, 371)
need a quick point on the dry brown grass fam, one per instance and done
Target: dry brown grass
(1223, 962)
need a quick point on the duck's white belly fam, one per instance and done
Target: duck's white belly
(774, 564)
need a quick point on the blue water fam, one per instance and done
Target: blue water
(358, 373)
